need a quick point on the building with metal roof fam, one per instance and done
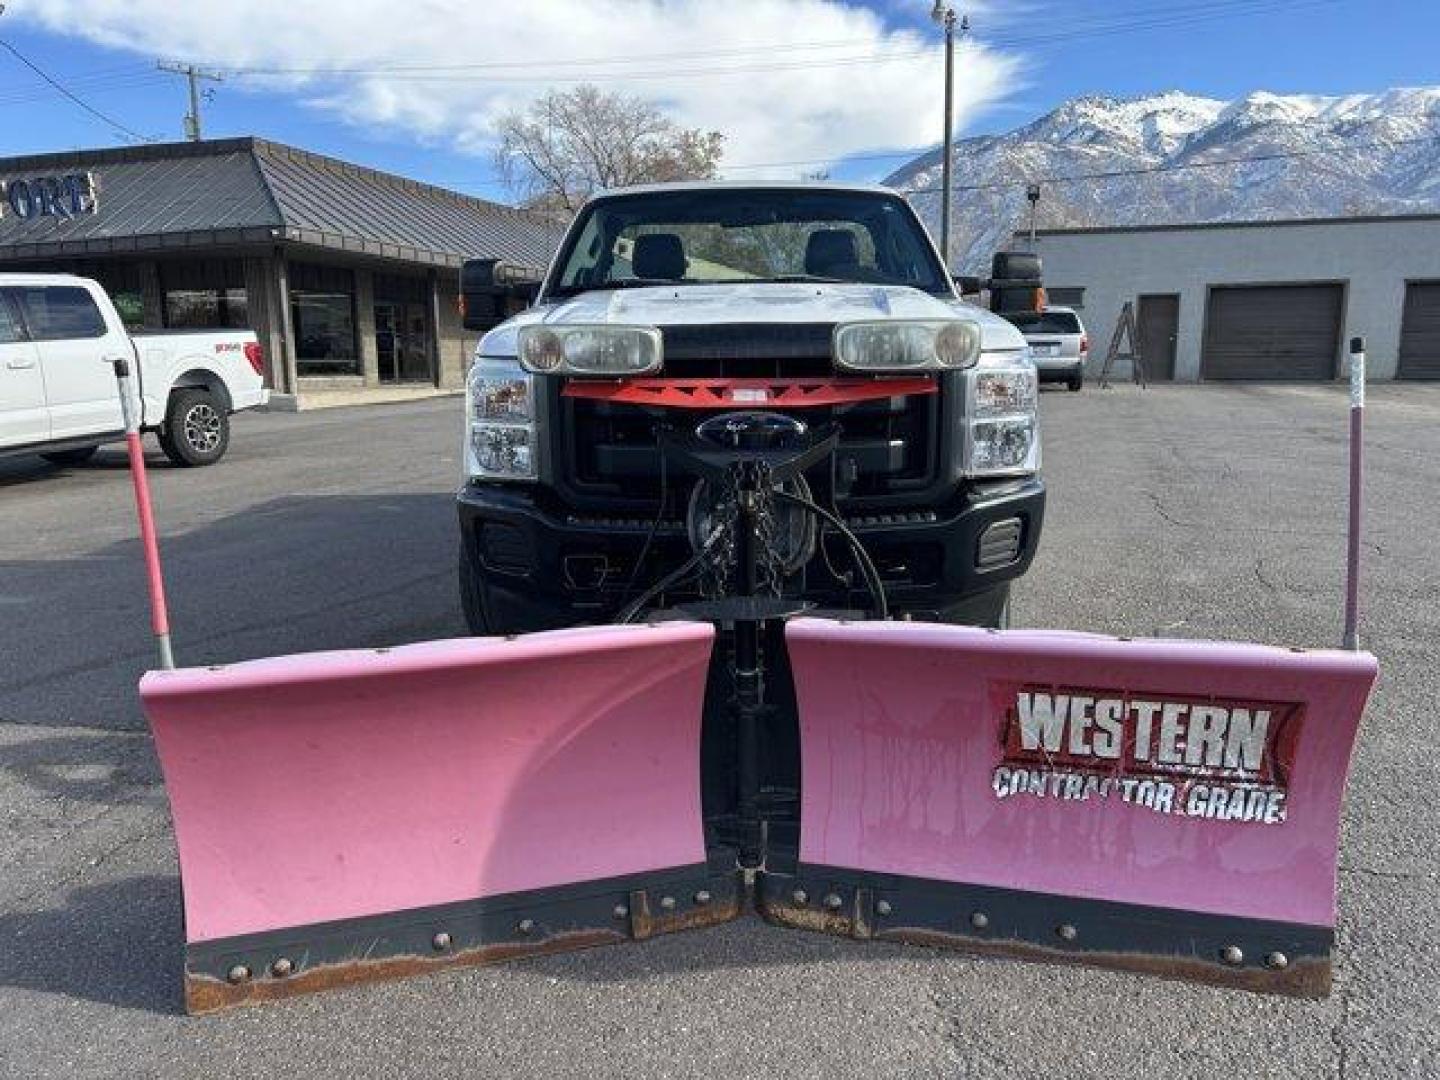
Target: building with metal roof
(348, 275)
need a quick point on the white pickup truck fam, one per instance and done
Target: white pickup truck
(59, 338)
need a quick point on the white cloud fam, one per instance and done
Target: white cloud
(780, 99)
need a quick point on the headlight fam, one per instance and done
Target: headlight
(1003, 391)
(503, 451)
(1002, 430)
(898, 345)
(604, 350)
(501, 398)
(499, 422)
(1002, 446)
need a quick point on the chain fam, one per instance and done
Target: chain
(719, 575)
(772, 559)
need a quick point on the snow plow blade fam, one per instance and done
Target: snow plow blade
(1158, 806)
(348, 816)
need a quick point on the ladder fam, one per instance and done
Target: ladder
(1123, 326)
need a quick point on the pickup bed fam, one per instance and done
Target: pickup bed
(59, 337)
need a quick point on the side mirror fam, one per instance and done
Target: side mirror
(1016, 283)
(968, 284)
(491, 291)
(1016, 266)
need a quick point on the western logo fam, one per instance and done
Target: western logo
(1211, 758)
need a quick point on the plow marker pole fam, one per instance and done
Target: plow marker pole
(159, 615)
(1351, 639)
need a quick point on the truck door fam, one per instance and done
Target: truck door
(75, 349)
(23, 416)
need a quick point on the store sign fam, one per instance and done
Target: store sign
(62, 197)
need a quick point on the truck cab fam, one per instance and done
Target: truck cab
(567, 508)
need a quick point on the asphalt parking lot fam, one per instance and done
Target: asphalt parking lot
(1191, 512)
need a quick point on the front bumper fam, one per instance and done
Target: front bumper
(542, 566)
(250, 399)
(1060, 369)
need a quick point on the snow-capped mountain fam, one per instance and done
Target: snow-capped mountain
(1361, 156)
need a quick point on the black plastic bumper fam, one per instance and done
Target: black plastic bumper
(538, 566)
(1060, 372)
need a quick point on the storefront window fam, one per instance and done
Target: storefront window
(402, 328)
(207, 309)
(322, 309)
(122, 279)
(205, 294)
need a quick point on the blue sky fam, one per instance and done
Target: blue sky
(779, 113)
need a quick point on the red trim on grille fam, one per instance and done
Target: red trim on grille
(733, 393)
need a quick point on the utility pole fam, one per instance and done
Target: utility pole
(1033, 194)
(945, 16)
(193, 75)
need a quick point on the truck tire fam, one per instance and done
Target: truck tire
(470, 601)
(196, 429)
(78, 456)
(1076, 382)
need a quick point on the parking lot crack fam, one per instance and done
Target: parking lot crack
(1165, 513)
(94, 862)
(1260, 575)
(1337, 1035)
(1387, 875)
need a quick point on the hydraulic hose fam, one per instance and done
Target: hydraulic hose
(867, 565)
(674, 577)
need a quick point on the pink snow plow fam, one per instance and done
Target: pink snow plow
(348, 816)
(1167, 807)
(1162, 806)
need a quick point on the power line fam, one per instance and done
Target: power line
(1137, 20)
(1156, 19)
(42, 93)
(108, 120)
(77, 78)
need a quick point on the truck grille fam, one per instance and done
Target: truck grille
(890, 448)
(887, 448)
(748, 351)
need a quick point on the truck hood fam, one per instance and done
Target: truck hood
(709, 305)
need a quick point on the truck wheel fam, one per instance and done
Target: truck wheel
(196, 429)
(470, 601)
(1076, 381)
(78, 456)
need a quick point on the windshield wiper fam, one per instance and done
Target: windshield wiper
(797, 279)
(624, 283)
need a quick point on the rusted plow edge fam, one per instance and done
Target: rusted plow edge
(1241, 953)
(301, 960)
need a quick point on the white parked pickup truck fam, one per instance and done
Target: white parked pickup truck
(59, 338)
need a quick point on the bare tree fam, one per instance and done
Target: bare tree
(568, 145)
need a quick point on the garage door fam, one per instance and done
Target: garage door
(1288, 332)
(1420, 332)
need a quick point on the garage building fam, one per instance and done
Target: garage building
(1273, 300)
(349, 276)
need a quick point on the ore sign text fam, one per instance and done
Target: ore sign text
(60, 197)
(1213, 759)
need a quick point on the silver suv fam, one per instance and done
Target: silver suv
(1058, 343)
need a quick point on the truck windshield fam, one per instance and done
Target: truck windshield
(709, 236)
